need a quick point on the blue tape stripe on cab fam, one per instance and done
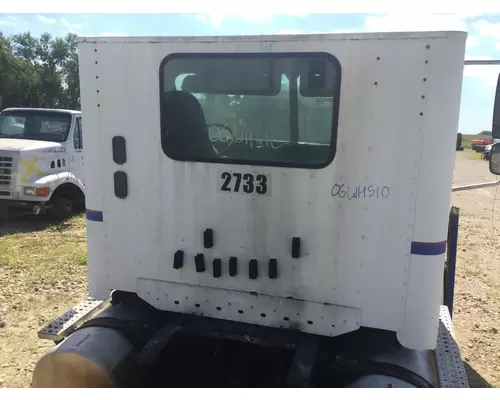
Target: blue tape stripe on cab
(428, 248)
(93, 215)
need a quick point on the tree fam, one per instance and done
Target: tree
(39, 72)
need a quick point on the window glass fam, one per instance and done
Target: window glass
(273, 109)
(35, 125)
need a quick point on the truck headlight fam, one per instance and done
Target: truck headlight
(38, 192)
(29, 191)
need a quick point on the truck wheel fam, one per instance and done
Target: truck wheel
(61, 208)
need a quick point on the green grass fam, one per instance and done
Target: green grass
(57, 254)
(473, 155)
(80, 257)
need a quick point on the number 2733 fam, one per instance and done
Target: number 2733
(246, 183)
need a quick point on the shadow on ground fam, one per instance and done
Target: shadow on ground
(29, 223)
(475, 380)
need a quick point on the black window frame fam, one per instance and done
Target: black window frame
(78, 127)
(270, 163)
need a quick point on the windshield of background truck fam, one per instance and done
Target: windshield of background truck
(52, 127)
(267, 109)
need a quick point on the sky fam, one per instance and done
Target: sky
(483, 41)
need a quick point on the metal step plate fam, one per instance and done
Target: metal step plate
(450, 367)
(62, 326)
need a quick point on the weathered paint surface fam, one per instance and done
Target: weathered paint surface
(387, 188)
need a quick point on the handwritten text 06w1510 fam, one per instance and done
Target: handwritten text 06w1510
(360, 192)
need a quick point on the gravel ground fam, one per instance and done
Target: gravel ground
(477, 291)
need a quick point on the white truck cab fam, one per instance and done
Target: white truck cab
(41, 161)
(287, 191)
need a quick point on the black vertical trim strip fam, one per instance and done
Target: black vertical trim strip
(253, 269)
(178, 259)
(208, 238)
(296, 247)
(121, 184)
(273, 268)
(233, 266)
(199, 261)
(119, 150)
(217, 265)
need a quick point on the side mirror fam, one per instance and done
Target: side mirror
(495, 159)
(495, 128)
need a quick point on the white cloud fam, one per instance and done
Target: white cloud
(342, 30)
(487, 74)
(486, 28)
(65, 23)
(114, 33)
(423, 22)
(289, 32)
(415, 21)
(404, 22)
(46, 20)
(201, 17)
(256, 15)
(295, 32)
(472, 42)
(213, 19)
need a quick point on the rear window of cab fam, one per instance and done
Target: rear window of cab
(257, 109)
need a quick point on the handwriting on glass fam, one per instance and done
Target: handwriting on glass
(360, 192)
(258, 140)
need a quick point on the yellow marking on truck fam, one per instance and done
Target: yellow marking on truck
(30, 167)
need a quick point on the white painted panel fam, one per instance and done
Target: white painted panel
(356, 252)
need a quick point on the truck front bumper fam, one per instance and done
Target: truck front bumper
(15, 208)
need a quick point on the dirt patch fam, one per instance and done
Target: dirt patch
(43, 273)
(477, 291)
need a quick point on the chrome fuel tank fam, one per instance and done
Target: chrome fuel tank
(89, 357)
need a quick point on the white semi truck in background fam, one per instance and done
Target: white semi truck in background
(41, 162)
(267, 211)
